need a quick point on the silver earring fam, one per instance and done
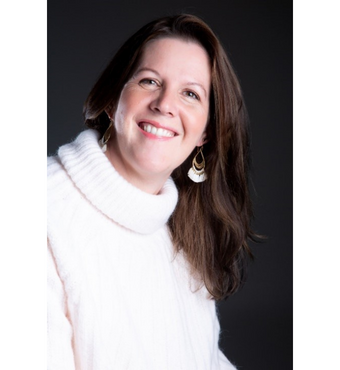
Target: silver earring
(106, 137)
(196, 172)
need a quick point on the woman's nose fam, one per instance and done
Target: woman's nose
(165, 103)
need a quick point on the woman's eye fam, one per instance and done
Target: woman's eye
(148, 81)
(192, 95)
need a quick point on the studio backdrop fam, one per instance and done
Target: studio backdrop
(256, 323)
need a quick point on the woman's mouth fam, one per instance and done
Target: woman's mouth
(157, 131)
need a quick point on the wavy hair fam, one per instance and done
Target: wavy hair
(211, 222)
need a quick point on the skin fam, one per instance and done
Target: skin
(169, 90)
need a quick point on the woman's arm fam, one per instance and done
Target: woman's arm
(224, 363)
(59, 330)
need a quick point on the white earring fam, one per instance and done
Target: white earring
(197, 171)
(106, 137)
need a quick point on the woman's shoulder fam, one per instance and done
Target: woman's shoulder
(53, 165)
(56, 173)
(59, 184)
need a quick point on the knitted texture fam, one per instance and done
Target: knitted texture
(118, 297)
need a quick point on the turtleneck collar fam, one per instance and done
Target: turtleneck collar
(103, 186)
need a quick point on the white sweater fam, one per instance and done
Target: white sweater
(117, 297)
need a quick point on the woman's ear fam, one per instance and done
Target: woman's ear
(109, 111)
(203, 140)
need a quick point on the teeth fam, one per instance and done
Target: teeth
(157, 131)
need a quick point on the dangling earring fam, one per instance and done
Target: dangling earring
(196, 172)
(106, 137)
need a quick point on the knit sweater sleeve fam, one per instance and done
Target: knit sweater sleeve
(59, 330)
(224, 363)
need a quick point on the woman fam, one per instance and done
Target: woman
(149, 209)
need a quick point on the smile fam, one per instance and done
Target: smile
(161, 132)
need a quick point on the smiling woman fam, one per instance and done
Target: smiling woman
(138, 250)
(161, 114)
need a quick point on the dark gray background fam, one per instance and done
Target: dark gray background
(83, 35)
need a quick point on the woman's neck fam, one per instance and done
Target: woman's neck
(148, 182)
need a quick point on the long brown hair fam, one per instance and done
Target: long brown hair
(211, 223)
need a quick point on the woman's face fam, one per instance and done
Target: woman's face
(162, 111)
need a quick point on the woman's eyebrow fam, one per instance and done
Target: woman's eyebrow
(146, 69)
